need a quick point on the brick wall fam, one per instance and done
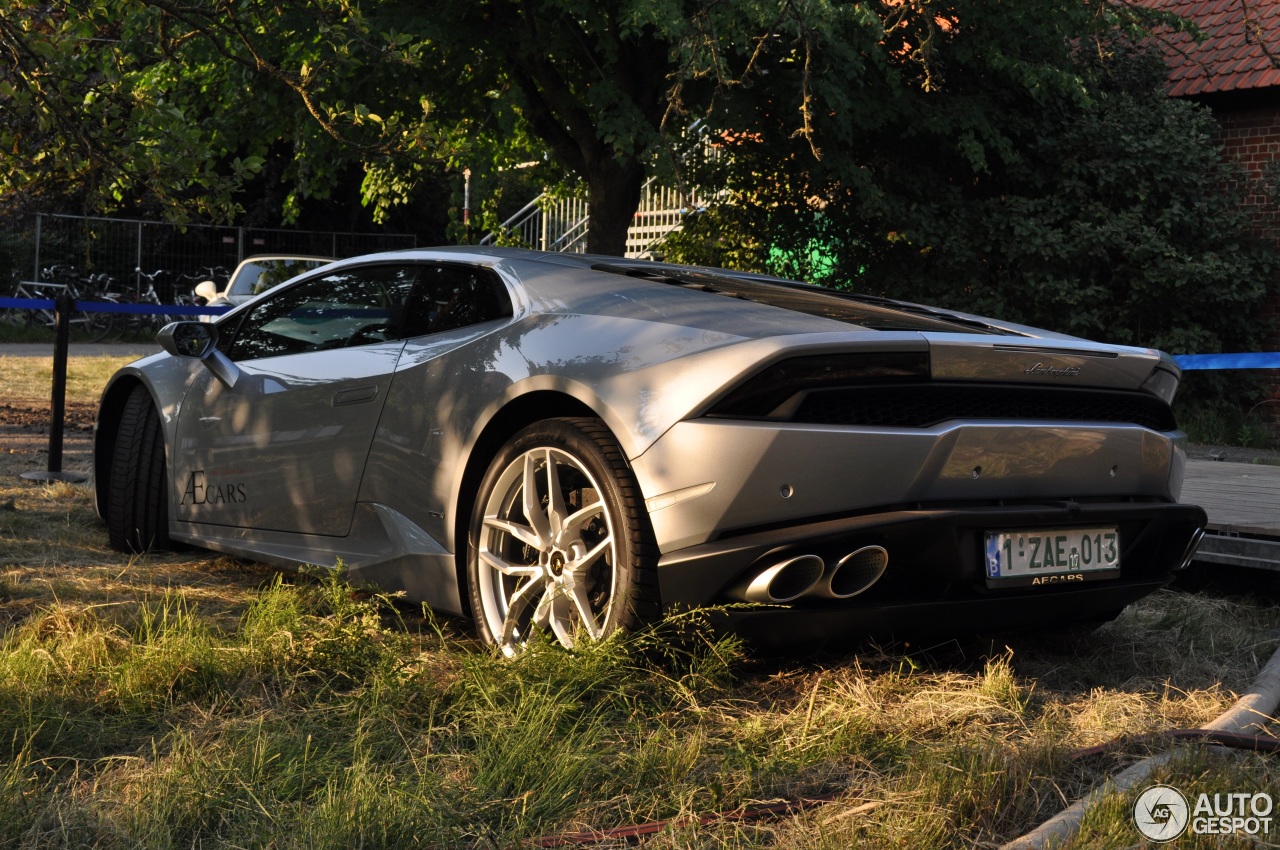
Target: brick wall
(1251, 137)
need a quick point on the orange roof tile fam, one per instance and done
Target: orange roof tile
(1241, 49)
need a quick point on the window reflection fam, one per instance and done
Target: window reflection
(450, 297)
(353, 307)
(368, 304)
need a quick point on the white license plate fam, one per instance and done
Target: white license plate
(1027, 554)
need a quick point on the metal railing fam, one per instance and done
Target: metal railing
(131, 252)
(548, 223)
(551, 223)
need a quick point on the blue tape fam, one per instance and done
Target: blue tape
(115, 307)
(27, 303)
(1255, 360)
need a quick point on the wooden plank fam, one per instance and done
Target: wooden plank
(1240, 497)
(1254, 553)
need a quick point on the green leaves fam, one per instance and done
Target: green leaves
(1000, 171)
(85, 112)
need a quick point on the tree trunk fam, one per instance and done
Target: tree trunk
(613, 195)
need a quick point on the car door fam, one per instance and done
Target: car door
(284, 447)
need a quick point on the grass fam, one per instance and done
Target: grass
(193, 700)
(29, 378)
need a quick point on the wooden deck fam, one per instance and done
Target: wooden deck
(1243, 503)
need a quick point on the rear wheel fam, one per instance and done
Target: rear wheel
(559, 539)
(137, 505)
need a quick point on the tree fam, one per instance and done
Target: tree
(1013, 171)
(197, 94)
(82, 116)
(183, 99)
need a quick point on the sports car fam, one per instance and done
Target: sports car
(572, 445)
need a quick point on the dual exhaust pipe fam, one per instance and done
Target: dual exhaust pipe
(809, 575)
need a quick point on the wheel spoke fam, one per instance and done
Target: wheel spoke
(532, 504)
(555, 498)
(561, 610)
(579, 566)
(542, 614)
(583, 604)
(509, 568)
(580, 518)
(516, 606)
(523, 533)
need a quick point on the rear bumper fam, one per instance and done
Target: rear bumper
(708, 477)
(1016, 612)
(935, 579)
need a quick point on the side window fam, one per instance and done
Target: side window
(355, 306)
(446, 297)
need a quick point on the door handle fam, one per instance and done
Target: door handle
(355, 395)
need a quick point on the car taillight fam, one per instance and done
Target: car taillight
(1162, 383)
(775, 390)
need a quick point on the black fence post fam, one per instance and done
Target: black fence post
(64, 305)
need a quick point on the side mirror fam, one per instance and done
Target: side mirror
(188, 339)
(206, 289)
(199, 340)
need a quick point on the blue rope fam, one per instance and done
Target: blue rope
(27, 303)
(114, 307)
(1256, 360)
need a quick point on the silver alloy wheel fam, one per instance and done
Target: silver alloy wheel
(548, 551)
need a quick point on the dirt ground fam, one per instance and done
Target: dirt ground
(24, 437)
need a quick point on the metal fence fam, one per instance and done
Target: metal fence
(128, 254)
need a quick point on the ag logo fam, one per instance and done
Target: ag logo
(1161, 813)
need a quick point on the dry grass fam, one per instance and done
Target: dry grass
(194, 700)
(53, 546)
(29, 378)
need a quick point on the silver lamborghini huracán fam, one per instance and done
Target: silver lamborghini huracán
(577, 444)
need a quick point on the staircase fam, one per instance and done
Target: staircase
(560, 224)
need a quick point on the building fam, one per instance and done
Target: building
(1234, 70)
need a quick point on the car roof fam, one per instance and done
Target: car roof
(669, 292)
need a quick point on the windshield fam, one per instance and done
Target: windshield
(260, 275)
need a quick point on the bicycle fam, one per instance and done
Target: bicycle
(93, 325)
(145, 323)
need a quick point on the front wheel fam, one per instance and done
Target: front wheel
(137, 507)
(560, 540)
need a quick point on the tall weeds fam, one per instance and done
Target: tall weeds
(326, 716)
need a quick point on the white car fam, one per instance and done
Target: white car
(254, 276)
(571, 444)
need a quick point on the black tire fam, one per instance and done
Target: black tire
(600, 558)
(138, 499)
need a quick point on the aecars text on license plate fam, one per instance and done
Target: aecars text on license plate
(1059, 556)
